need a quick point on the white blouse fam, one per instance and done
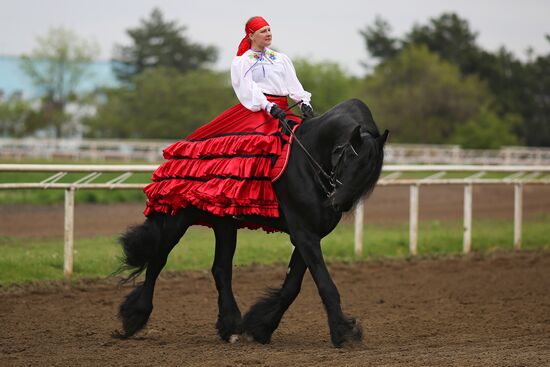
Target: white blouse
(255, 73)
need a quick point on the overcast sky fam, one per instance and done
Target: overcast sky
(318, 30)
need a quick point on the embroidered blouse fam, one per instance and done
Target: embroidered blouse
(257, 72)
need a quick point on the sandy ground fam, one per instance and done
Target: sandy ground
(469, 311)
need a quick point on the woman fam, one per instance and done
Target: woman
(258, 70)
(227, 166)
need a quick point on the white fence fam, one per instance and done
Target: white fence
(151, 151)
(518, 176)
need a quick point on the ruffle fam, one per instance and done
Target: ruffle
(242, 167)
(217, 196)
(227, 145)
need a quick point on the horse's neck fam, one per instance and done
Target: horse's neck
(323, 132)
(318, 137)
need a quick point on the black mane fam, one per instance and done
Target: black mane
(348, 122)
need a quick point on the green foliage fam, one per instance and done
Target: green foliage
(327, 82)
(378, 41)
(13, 116)
(451, 38)
(421, 98)
(536, 107)
(162, 103)
(519, 88)
(159, 43)
(487, 130)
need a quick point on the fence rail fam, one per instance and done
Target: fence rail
(518, 176)
(151, 151)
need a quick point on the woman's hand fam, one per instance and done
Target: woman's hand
(276, 112)
(306, 109)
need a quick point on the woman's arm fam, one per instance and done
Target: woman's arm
(247, 91)
(295, 89)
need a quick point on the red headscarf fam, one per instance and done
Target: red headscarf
(252, 26)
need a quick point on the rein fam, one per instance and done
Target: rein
(332, 179)
(317, 168)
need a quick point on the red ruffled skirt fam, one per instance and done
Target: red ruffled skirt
(226, 167)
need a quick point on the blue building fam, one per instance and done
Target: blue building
(14, 80)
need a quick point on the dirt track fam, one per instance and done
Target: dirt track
(490, 311)
(483, 311)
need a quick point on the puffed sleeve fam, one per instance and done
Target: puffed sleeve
(247, 91)
(295, 89)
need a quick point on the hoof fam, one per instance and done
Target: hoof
(347, 332)
(261, 338)
(233, 338)
(255, 328)
(134, 312)
(229, 327)
(356, 333)
(117, 334)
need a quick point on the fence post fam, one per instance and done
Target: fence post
(467, 241)
(413, 219)
(518, 204)
(69, 233)
(359, 213)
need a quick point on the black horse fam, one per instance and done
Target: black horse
(344, 141)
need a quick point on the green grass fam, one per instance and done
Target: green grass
(25, 259)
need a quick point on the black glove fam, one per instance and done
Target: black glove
(276, 112)
(307, 111)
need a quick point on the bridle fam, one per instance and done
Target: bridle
(319, 171)
(332, 179)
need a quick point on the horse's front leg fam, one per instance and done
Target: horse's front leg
(342, 328)
(229, 315)
(264, 317)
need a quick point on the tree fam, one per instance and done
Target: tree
(421, 98)
(14, 112)
(56, 67)
(451, 38)
(378, 41)
(486, 130)
(519, 88)
(161, 103)
(159, 43)
(327, 82)
(536, 102)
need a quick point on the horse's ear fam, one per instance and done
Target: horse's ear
(382, 138)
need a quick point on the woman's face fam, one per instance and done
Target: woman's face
(261, 38)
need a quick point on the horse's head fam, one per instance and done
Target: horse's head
(356, 158)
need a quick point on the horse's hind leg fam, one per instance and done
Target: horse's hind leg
(263, 318)
(167, 230)
(229, 315)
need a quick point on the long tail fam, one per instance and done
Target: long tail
(140, 244)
